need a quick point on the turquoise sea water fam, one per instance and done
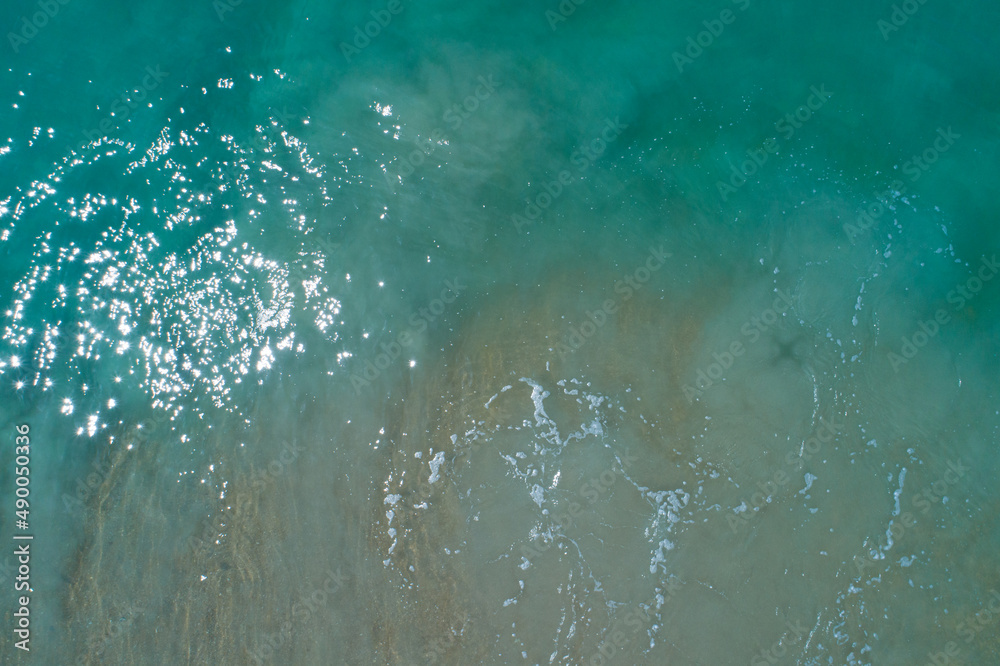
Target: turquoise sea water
(505, 333)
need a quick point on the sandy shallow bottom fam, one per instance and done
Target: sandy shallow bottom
(517, 499)
(596, 453)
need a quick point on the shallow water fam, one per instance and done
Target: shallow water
(614, 362)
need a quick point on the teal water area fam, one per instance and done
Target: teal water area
(451, 333)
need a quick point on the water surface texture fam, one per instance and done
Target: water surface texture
(503, 332)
